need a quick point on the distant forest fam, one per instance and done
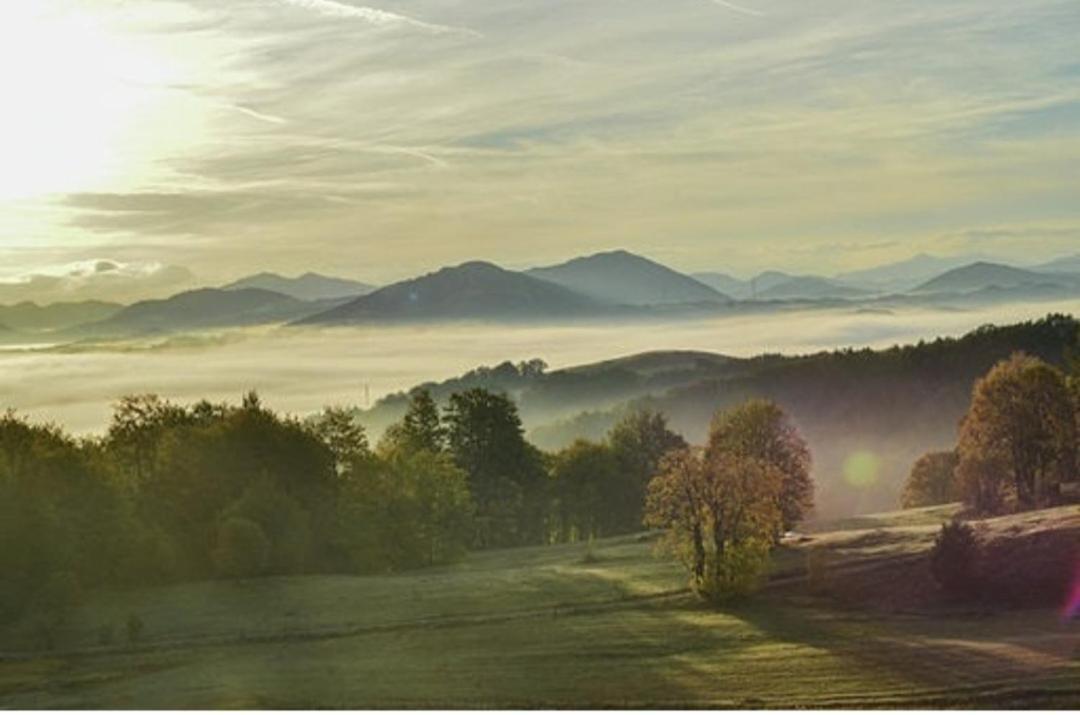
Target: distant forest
(889, 406)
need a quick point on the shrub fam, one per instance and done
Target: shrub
(243, 551)
(736, 572)
(954, 559)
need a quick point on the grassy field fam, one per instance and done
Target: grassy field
(548, 627)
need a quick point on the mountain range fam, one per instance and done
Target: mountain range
(199, 310)
(614, 284)
(309, 286)
(472, 291)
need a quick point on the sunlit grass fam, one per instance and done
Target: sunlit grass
(542, 627)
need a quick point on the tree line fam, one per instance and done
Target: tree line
(173, 493)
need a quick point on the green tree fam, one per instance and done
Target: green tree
(639, 442)
(932, 481)
(1018, 440)
(407, 510)
(422, 427)
(760, 430)
(506, 476)
(242, 549)
(587, 490)
(343, 435)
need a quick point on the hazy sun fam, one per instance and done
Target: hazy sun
(74, 92)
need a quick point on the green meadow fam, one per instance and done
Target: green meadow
(607, 625)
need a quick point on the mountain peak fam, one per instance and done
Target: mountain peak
(475, 290)
(626, 278)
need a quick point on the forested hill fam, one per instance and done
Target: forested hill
(877, 408)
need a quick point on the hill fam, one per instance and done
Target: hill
(545, 627)
(310, 286)
(1065, 264)
(623, 278)
(834, 397)
(471, 291)
(837, 398)
(809, 288)
(767, 280)
(32, 317)
(200, 309)
(984, 276)
(903, 275)
(724, 283)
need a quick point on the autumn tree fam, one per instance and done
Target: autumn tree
(932, 481)
(759, 430)
(1018, 440)
(721, 510)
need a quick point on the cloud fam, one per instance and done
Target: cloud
(95, 279)
(738, 8)
(373, 16)
(311, 140)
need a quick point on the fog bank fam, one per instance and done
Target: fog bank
(301, 371)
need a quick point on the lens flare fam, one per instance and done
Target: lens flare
(861, 469)
(1072, 606)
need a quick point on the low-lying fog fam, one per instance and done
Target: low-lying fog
(301, 371)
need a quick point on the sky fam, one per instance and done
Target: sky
(213, 138)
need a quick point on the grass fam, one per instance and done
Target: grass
(546, 627)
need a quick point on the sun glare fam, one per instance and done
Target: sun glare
(73, 91)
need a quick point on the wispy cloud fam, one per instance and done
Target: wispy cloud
(323, 131)
(374, 16)
(261, 116)
(738, 8)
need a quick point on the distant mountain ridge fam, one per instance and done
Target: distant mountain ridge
(984, 275)
(474, 290)
(809, 288)
(623, 278)
(309, 286)
(31, 317)
(201, 309)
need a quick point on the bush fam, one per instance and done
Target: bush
(736, 573)
(954, 559)
(243, 551)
